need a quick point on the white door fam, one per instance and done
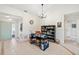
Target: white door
(71, 29)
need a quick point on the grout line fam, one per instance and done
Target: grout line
(2, 48)
(69, 50)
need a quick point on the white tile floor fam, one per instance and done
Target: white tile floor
(25, 48)
(72, 46)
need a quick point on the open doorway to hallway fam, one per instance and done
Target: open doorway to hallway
(9, 26)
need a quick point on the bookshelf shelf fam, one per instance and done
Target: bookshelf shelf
(49, 30)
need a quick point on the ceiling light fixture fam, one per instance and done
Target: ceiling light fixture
(43, 15)
(7, 16)
(10, 19)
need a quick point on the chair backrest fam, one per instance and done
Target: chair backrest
(37, 32)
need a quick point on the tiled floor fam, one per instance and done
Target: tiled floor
(25, 48)
(72, 46)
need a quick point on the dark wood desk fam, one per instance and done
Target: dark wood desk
(39, 40)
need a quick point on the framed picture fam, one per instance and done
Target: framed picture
(59, 24)
(21, 27)
(73, 25)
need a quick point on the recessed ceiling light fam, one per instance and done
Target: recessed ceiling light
(7, 16)
(10, 19)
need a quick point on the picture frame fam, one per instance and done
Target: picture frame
(59, 24)
(73, 25)
(21, 27)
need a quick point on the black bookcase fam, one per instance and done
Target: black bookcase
(49, 30)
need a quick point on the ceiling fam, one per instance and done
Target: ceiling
(8, 17)
(35, 9)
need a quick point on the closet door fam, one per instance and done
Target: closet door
(74, 30)
(67, 30)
